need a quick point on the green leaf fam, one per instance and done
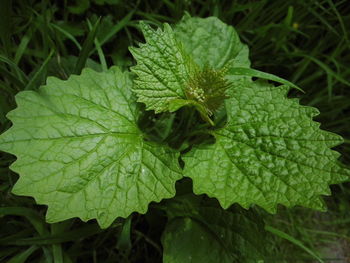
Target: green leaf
(199, 230)
(186, 64)
(186, 240)
(80, 152)
(270, 152)
(161, 69)
(87, 46)
(211, 42)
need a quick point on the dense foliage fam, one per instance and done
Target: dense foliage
(88, 147)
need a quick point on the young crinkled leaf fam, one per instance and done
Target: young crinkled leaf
(80, 152)
(161, 68)
(185, 66)
(270, 152)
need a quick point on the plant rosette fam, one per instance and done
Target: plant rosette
(82, 152)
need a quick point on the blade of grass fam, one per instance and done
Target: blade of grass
(8, 252)
(67, 34)
(323, 20)
(115, 29)
(291, 239)
(323, 66)
(81, 233)
(6, 88)
(56, 248)
(289, 17)
(328, 233)
(340, 19)
(37, 222)
(87, 46)
(22, 47)
(124, 241)
(155, 19)
(19, 73)
(39, 72)
(259, 74)
(99, 51)
(19, 234)
(22, 257)
(12, 79)
(6, 25)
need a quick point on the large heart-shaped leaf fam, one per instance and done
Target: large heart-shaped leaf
(270, 152)
(80, 152)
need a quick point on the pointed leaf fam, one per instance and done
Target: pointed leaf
(161, 68)
(80, 152)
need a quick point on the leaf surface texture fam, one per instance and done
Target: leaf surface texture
(270, 152)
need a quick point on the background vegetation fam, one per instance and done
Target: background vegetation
(306, 42)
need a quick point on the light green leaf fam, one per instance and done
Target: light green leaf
(211, 42)
(269, 152)
(201, 231)
(80, 152)
(161, 68)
